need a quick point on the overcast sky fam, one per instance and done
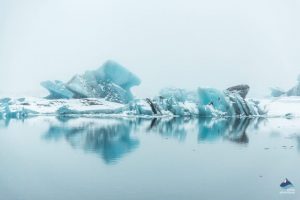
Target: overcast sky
(187, 43)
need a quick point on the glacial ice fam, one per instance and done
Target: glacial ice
(178, 94)
(111, 81)
(57, 90)
(294, 91)
(117, 74)
(213, 102)
(205, 102)
(106, 91)
(277, 92)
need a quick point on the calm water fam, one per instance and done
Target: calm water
(160, 159)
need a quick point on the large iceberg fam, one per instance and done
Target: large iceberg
(111, 81)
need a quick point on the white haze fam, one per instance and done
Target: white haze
(188, 43)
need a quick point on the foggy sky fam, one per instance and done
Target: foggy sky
(187, 44)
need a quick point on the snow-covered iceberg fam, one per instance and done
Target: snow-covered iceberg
(25, 107)
(111, 81)
(106, 91)
(203, 103)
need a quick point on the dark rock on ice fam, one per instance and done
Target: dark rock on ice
(242, 90)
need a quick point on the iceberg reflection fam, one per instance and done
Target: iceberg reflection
(108, 138)
(175, 127)
(232, 129)
(113, 138)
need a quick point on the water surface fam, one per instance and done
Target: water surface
(176, 158)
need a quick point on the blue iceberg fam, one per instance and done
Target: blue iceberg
(111, 81)
(57, 90)
(294, 91)
(205, 102)
(230, 102)
(277, 92)
(178, 94)
(117, 74)
(107, 91)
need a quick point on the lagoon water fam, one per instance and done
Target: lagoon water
(54, 158)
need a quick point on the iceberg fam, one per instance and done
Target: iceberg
(107, 91)
(230, 102)
(212, 101)
(57, 90)
(28, 107)
(205, 102)
(116, 73)
(294, 91)
(111, 81)
(5, 100)
(177, 101)
(277, 92)
(178, 94)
